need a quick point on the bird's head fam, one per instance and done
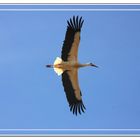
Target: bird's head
(93, 65)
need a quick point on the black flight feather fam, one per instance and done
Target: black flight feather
(74, 104)
(74, 26)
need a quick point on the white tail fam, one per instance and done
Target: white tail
(59, 71)
(58, 60)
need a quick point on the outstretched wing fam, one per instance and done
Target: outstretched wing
(72, 90)
(72, 39)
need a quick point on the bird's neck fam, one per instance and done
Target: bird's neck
(84, 65)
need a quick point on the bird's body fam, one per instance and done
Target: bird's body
(68, 65)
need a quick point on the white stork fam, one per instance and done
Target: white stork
(68, 65)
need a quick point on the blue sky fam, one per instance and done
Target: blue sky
(32, 96)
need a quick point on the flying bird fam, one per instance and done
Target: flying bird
(68, 65)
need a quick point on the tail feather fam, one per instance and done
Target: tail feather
(58, 60)
(59, 71)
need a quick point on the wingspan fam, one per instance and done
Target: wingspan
(72, 39)
(72, 90)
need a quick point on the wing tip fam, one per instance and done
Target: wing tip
(77, 108)
(75, 23)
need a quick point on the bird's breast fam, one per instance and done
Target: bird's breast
(67, 65)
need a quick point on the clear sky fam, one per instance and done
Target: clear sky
(32, 96)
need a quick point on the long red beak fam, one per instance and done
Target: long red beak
(94, 65)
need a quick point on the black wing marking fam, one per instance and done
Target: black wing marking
(74, 104)
(74, 26)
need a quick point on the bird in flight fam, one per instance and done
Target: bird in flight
(68, 65)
